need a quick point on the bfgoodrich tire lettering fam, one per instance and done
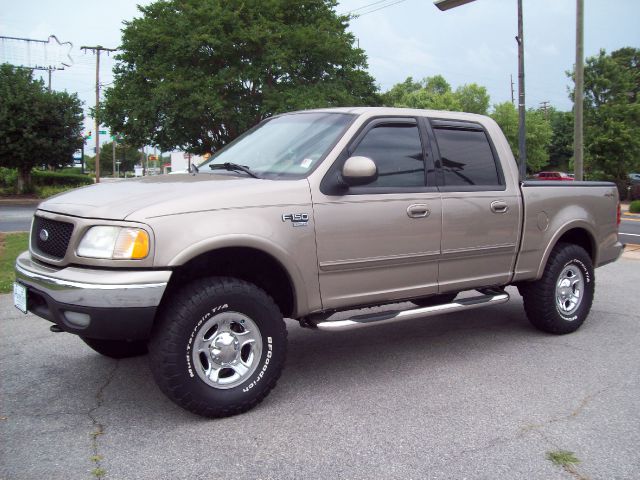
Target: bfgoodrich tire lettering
(219, 346)
(560, 301)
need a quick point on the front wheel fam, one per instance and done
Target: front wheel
(560, 301)
(219, 346)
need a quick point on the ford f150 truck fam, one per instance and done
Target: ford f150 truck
(307, 214)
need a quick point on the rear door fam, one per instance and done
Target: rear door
(480, 211)
(381, 241)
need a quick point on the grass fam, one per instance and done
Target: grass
(11, 245)
(562, 458)
(567, 461)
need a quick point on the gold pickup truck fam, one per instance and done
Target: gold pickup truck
(307, 214)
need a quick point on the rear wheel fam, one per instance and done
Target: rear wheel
(219, 346)
(117, 348)
(435, 300)
(561, 299)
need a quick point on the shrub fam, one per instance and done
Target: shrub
(50, 179)
(634, 207)
(8, 181)
(49, 191)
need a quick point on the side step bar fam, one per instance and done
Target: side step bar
(381, 318)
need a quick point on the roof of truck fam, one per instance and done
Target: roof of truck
(400, 111)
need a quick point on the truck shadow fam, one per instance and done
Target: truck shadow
(392, 354)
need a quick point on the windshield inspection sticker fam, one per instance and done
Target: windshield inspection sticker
(306, 163)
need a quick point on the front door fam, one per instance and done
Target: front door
(381, 242)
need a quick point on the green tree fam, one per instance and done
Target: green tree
(395, 96)
(538, 134)
(473, 98)
(127, 155)
(561, 146)
(36, 126)
(435, 93)
(612, 115)
(194, 74)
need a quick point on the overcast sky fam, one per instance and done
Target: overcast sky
(472, 43)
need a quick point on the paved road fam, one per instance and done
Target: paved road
(479, 396)
(630, 229)
(16, 218)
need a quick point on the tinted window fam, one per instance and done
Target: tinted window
(466, 157)
(397, 152)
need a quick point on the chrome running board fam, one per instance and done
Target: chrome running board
(390, 316)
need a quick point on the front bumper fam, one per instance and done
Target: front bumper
(94, 303)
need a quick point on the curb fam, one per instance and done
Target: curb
(631, 251)
(16, 202)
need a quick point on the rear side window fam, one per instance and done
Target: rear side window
(466, 157)
(397, 152)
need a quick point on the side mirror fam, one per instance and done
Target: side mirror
(359, 171)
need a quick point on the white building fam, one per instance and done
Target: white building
(180, 160)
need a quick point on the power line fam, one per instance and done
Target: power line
(377, 9)
(365, 6)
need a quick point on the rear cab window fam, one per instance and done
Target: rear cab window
(467, 159)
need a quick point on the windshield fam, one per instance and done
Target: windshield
(290, 145)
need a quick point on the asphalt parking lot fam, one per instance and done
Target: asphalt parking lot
(480, 395)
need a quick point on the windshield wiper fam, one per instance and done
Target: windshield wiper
(233, 167)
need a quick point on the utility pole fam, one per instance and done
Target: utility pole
(113, 145)
(522, 142)
(97, 50)
(49, 70)
(513, 100)
(544, 106)
(578, 94)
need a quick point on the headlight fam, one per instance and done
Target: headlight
(118, 243)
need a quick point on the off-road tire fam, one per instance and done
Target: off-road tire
(435, 300)
(117, 348)
(540, 296)
(184, 316)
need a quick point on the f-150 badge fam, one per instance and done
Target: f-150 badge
(296, 219)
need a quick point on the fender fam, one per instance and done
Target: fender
(257, 243)
(570, 225)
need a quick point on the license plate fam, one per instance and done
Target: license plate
(20, 297)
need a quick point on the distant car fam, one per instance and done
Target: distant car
(560, 176)
(634, 178)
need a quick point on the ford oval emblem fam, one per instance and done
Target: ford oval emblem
(44, 235)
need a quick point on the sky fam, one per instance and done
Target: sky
(474, 43)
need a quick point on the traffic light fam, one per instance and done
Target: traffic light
(88, 135)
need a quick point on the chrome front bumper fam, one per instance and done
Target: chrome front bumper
(92, 287)
(94, 303)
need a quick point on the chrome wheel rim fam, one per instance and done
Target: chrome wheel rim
(226, 350)
(569, 290)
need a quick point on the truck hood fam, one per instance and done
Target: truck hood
(142, 198)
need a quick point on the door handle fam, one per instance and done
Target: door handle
(499, 207)
(418, 210)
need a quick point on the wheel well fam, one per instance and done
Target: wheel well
(579, 236)
(248, 264)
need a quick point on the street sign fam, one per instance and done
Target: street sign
(102, 132)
